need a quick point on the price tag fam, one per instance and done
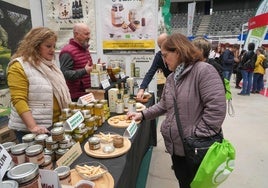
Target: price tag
(5, 160)
(131, 129)
(85, 99)
(74, 121)
(70, 156)
(105, 84)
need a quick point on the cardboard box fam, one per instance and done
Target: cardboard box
(7, 135)
(98, 93)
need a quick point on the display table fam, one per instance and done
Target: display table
(125, 168)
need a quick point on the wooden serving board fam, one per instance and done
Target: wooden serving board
(106, 181)
(120, 121)
(100, 154)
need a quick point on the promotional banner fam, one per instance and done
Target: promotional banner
(258, 26)
(128, 25)
(190, 18)
(61, 15)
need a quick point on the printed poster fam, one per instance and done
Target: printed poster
(61, 15)
(129, 25)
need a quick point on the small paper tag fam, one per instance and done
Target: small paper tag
(131, 129)
(5, 160)
(74, 121)
(85, 99)
(49, 178)
(70, 156)
(105, 84)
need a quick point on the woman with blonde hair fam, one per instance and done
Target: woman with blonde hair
(37, 86)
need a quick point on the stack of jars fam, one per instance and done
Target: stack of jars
(94, 114)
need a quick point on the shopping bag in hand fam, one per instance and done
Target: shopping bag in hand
(216, 166)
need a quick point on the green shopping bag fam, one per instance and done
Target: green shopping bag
(216, 166)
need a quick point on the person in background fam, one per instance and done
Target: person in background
(199, 94)
(227, 61)
(247, 72)
(37, 86)
(238, 77)
(76, 62)
(158, 63)
(259, 71)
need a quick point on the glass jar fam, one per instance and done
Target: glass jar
(94, 143)
(131, 105)
(8, 145)
(89, 122)
(64, 175)
(51, 153)
(78, 138)
(57, 134)
(29, 139)
(80, 106)
(90, 107)
(75, 110)
(98, 110)
(26, 174)
(35, 154)
(51, 144)
(18, 153)
(58, 124)
(72, 105)
(41, 139)
(66, 113)
(10, 184)
(60, 152)
(47, 164)
(86, 113)
(66, 143)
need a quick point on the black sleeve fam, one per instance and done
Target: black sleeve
(66, 66)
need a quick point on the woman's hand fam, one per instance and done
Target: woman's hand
(140, 94)
(39, 130)
(137, 116)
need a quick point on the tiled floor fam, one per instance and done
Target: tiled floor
(247, 130)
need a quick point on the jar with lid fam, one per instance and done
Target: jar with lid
(94, 143)
(66, 143)
(57, 134)
(8, 145)
(10, 184)
(41, 139)
(80, 106)
(51, 144)
(51, 153)
(78, 138)
(98, 109)
(64, 175)
(117, 14)
(26, 174)
(60, 152)
(35, 154)
(119, 104)
(86, 113)
(58, 124)
(89, 122)
(132, 104)
(74, 111)
(18, 153)
(99, 120)
(66, 113)
(47, 164)
(29, 139)
(90, 107)
(72, 105)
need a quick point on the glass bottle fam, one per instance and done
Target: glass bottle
(95, 77)
(119, 104)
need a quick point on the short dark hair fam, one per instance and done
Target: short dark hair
(251, 46)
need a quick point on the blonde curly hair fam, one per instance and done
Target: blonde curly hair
(28, 47)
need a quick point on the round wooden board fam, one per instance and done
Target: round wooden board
(100, 154)
(106, 181)
(122, 122)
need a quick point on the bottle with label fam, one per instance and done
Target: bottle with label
(126, 98)
(119, 104)
(95, 77)
(80, 9)
(131, 104)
